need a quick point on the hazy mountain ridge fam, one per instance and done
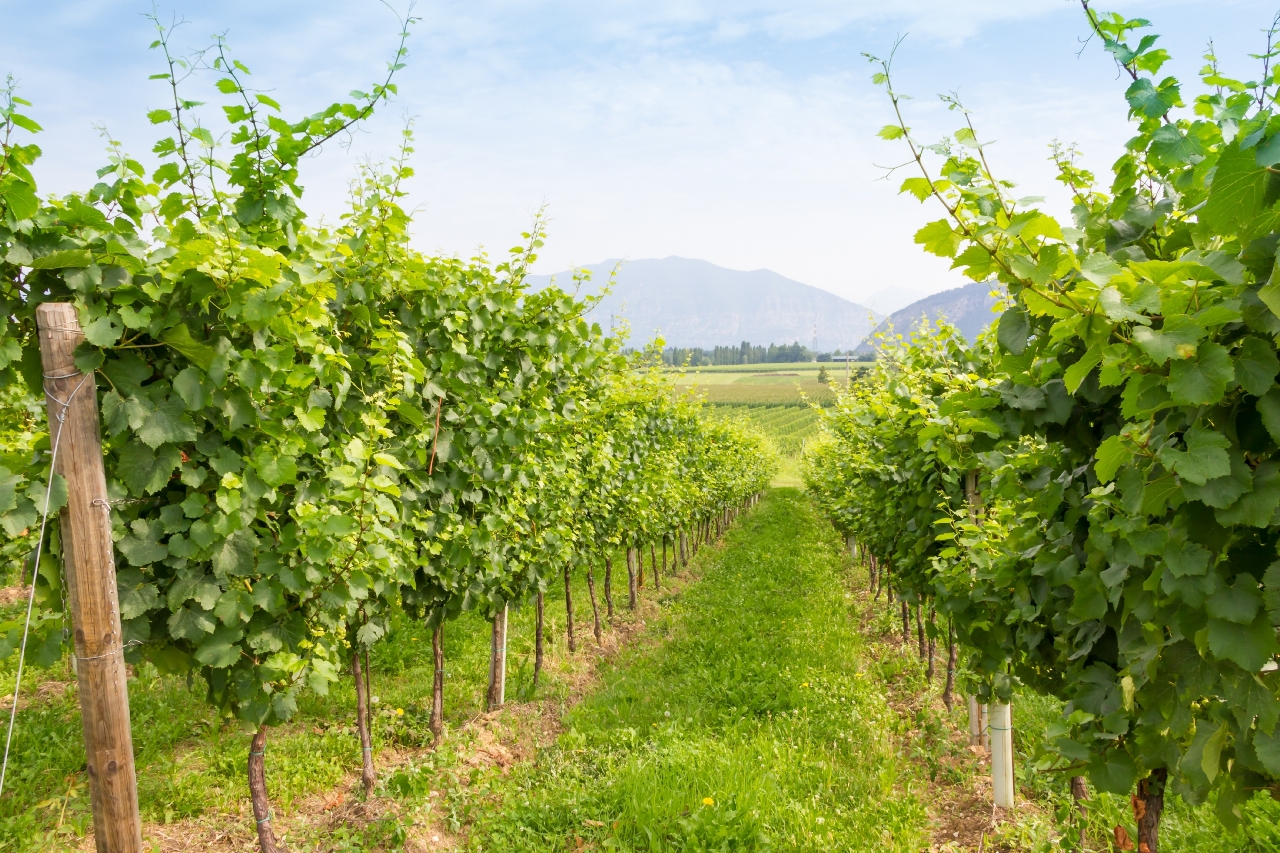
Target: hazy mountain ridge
(889, 299)
(967, 308)
(698, 304)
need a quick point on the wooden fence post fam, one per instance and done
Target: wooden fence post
(502, 675)
(72, 403)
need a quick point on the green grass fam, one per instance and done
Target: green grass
(770, 686)
(747, 722)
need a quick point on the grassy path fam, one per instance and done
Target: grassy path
(749, 721)
(762, 702)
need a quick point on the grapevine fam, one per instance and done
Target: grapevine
(1118, 430)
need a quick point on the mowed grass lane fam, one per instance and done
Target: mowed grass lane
(744, 721)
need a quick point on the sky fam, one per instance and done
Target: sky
(742, 132)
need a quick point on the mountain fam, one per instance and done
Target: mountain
(698, 304)
(891, 299)
(967, 308)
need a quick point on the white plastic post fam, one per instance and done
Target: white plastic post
(975, 722)
(1002, 755)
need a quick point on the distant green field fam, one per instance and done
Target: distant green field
(803, 366)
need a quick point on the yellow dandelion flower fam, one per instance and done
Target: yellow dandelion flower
(707, 801)
(399, 712)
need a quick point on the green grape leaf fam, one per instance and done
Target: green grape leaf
(1022, 397)
(236, 554)
(268, 596)
(1236, 195)
(1267, 748)
(20, 199)
(1186, 559)
(1013, 329)
(1250, 698)
(65, 259)
(1113, 772)
(1258, 506)
(1250, 646)
(939, 239)
(190, 388)
(1176, 339)
(220, 649)
(1111, 454)
(1145, 99)
(1256, 366)
(143, 546)
(9, 483)
(179, 337)
(1099, 268)
(1211, 754)
(164, 422)
(234, 605)
(188, 624)
(1237, 603)
(1203, 379)
(1269, 409)
(51, 502)
(1204, 459)
(104, 331)
(145, 471)
(136, 595)
(275, 470)
(1271, 591)
(919, 187)
(1076, 373)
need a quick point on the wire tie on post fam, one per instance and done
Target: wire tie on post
(97, 657)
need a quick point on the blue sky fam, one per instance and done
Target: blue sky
(737, 131)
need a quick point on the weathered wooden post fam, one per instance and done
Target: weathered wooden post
(497, 693)
(502, 674)
(975, 722)
(72, 402)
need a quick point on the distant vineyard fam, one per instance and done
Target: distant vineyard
(798, 394)
(788, 426)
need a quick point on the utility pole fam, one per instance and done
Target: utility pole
(72, 401)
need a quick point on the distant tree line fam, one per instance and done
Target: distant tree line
(747, 353)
